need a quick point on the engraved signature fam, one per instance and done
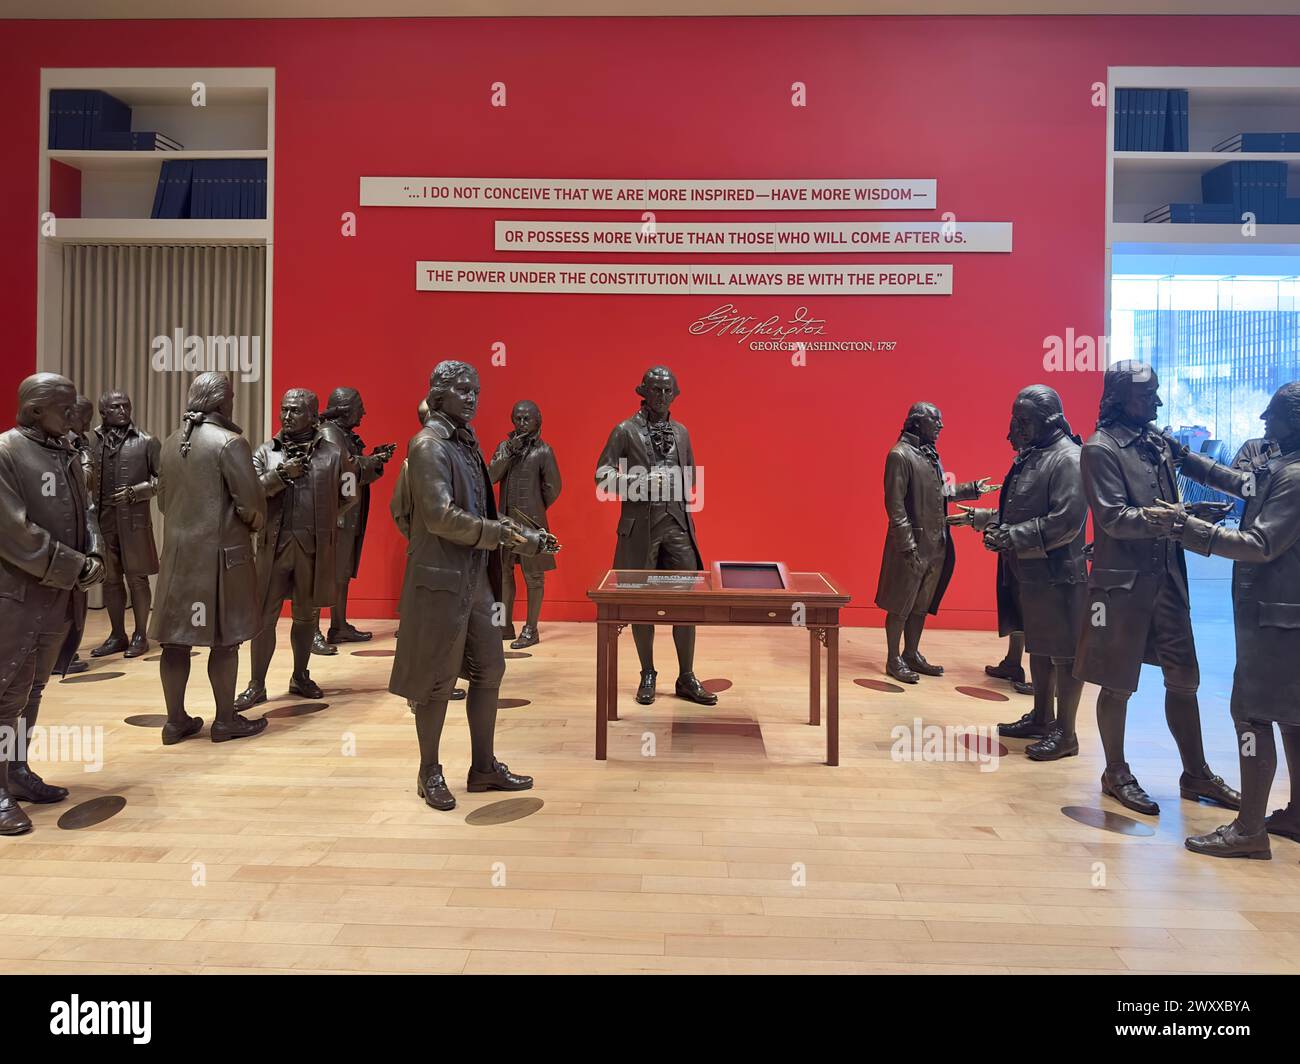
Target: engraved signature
(727, 320)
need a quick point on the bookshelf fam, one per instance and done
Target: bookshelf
(113, 191)
(1222, 101)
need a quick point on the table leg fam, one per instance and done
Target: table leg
(602, 691)
(832, 696)
(611, 670)
(814, 679)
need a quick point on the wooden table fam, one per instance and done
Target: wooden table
(636, 596)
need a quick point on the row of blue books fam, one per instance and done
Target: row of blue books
(1151, 119)
(1259, 188)
(1233, 189)
(92, 118)
(1262, 142)
(211, 188)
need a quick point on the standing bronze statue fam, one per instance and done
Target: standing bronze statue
(918, 558)
(49, 554)
(79, 437)
(124, 464)
(308, 482)
(1265, 552)
(1139, 609)
(452, 589)
(1039, 532)
(402, 509)
(339, 422)
(207, 589)
(525, 467)
(648, 464)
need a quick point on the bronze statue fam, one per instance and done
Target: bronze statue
(339, 422)
(525, 467)
(1265, 552)
(308, 482)
(402, 508)
(918, 558)
(452, 587)
(124, 473)
(1139, 609)
(207, 590)
(79, 437)
(648, 464)
(1039, 530)
(49, 554)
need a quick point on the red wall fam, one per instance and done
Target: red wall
(997, 109)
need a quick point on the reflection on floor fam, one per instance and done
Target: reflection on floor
(712, 840)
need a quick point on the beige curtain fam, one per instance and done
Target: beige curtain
(118, 299)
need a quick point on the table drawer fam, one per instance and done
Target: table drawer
(761, 615)
(662, 614)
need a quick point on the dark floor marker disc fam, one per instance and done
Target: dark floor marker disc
(504, 812)
(513, 703)
(517, 654)
(1106, 820)
(982, 745)
(373, 653)
(984, 693)
(91, 677)
(95, 811)
(879, 685)
(298, 709)
(147, 720)
(715, 686)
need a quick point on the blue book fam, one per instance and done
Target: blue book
(1261, 142)
(107, 113)
(67, 118)
(1176, 129)
(1121, 119)
(199, 188)
(1291, 212)
(1192, 214)
(1160, 120)
(181, 191)
(160, 192)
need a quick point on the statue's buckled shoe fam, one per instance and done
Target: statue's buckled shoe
(1211, 788)
(26, 786)
(500, 778)
(175, 733)
(917, 663)
(13, 821)
(1121, 785)
(434, 790)
(527, 638)
(1027, 727)
(1053, 746)
(1229, 841)
(1004, 671)
(114, 644)
(239, 728)
(321, 647)
(252, 695)
(898, 669)
(689, 688)
(348, 634)
(1283, 823)
(645, 692)
(304, 685)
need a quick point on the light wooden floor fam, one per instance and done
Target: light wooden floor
(287, 854)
